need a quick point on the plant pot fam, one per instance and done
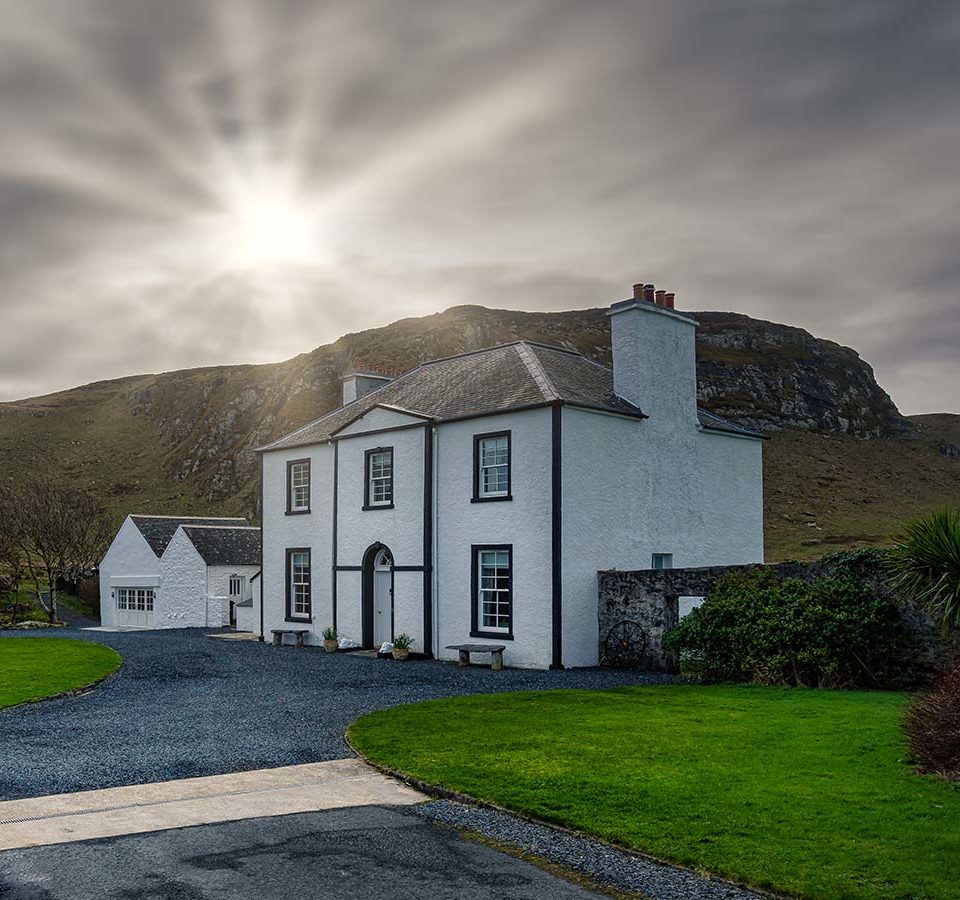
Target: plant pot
(331, 646)
(400, 654)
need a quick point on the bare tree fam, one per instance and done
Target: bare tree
(11, 554)
(63, 532)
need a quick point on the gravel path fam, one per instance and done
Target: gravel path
(184, 704)
(604, 864)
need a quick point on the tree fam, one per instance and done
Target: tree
(925, 565)
(11, 555)
(62, 533)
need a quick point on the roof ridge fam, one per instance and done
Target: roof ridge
(537, 371)
(225, 527)
(188, 518)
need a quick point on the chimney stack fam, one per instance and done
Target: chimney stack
(654, 357)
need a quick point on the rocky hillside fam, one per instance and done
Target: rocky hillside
(184, 441)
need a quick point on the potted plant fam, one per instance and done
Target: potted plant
(401, 645)
(330, 642)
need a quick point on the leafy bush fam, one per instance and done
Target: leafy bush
(925, 565)
(756, 627)
(933, 726)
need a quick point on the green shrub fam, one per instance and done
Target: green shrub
(756, 627)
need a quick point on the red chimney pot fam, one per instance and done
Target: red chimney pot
(668, 300)
(648, 293)
(638, 291)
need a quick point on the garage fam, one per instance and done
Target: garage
(135, 607)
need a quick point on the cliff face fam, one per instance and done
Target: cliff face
(184, 441)
(774, 376)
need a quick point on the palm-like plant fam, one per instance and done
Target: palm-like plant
(925, 565)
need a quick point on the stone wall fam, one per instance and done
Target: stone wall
(650, 597)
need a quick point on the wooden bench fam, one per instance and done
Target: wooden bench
(278, 634)
(496, 653)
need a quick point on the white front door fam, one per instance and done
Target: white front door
(135, 607)
(382, 598)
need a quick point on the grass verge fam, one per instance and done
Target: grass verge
(32, 668)
(801, 792)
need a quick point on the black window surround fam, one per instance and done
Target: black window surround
(301, 511)
(477, 441)
(475, 629)
(288, 570)
(367, 456)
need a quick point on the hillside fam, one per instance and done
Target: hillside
(843, 466)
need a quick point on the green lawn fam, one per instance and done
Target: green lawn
(33, 668)
(805, 792)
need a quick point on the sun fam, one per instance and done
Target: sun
(266, 223)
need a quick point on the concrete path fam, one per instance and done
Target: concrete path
(62, 818)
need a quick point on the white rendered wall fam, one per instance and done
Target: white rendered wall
(673, 489)
(282, 531)
(128, 557)
(400, 528)
(181, 601)
(523, 522)
(248, 618)
(218, 579)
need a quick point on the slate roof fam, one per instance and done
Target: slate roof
(159, 530)
(225, 546)
(519, 375)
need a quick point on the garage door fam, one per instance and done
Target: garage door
(135, 607)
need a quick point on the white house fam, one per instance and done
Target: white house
(474, 498)
(177, 571)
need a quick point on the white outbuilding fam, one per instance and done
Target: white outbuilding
(177, 571)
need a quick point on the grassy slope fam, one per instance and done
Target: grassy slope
(33, 668)
(855, 492)
(805, 792)
(88, 438)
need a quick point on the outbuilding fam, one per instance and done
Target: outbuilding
(177, 571)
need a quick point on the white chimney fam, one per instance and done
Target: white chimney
(655, 356)
(359, 384)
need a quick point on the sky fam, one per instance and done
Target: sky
(194, 182)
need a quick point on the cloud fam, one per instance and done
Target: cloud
(793, 161)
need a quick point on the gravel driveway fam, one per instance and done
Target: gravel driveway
(184, 704)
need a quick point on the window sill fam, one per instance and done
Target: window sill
(299, 621)
(491, 499)
(368, 506)
(297, 512)
(493, 635)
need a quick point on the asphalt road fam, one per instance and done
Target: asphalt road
(363, 852)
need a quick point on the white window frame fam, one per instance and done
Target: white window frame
(493, 592)
(299, 584)
(241, 581)
(493, 459)
(379, 477)
(131, 599)
(298, 486)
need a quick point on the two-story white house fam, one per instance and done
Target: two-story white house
(474, 498)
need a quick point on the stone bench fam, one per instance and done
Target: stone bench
(495, 651)
(297, 633)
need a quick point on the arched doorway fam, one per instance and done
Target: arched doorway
(377, 601)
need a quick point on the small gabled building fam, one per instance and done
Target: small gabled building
(474, 498)
(177, 571)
